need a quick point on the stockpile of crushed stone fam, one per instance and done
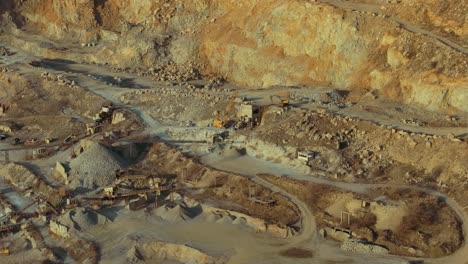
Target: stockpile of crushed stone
(95, 167)
(355, 245)
(82, 218)
(181, 212)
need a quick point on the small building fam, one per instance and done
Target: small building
(306, 155)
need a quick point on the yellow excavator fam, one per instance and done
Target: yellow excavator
(283, 97)
(222, 121)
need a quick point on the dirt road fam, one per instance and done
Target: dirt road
(80, 74)
(375, 8)
(309, 232)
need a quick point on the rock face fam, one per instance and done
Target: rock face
(392, 48)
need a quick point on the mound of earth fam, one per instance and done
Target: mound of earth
(232, 152)
(95, 167)
(154, 252)
(82, 218)
(180, 212)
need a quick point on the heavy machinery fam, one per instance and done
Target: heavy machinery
(283, 97)
(4, 251)
(129, 185)
(223, 121)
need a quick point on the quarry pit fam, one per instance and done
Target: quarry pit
(169, 131)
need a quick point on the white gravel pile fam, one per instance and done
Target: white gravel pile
(176, 214)
(355, 245)
(181, 212)
(82, 219)
(94, 168)
(85, 218)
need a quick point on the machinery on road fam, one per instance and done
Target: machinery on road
(224, 121)
(283, 98)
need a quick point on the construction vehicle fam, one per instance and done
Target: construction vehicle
(283, 97)
(4, 252)
(223, 121)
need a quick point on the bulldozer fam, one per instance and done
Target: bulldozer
(223, 121)
(4, 251)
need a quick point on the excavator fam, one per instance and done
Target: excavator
(283, 97)
(223, 121)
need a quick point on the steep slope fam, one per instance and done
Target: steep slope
(357, 45)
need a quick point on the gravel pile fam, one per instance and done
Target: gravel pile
(175, 214)
(181, 212)
(82, 219)
(358, 246)
(95, 168)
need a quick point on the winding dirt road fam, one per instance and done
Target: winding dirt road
(309, 230)
(375, 9)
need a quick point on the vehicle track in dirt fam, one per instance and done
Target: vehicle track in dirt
(375, 9)
(309, 229)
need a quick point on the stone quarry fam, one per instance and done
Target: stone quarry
(209, 132)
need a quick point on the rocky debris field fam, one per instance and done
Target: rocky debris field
(360, 151)
(169, 72)
(411, 51)
(352, 149)
(188, 106)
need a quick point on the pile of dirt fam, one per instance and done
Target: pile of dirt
(95, 167)
(82, 219)
(232, 152)
(154, 252)
(180, 212)
(181, 105)
(168, 72)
